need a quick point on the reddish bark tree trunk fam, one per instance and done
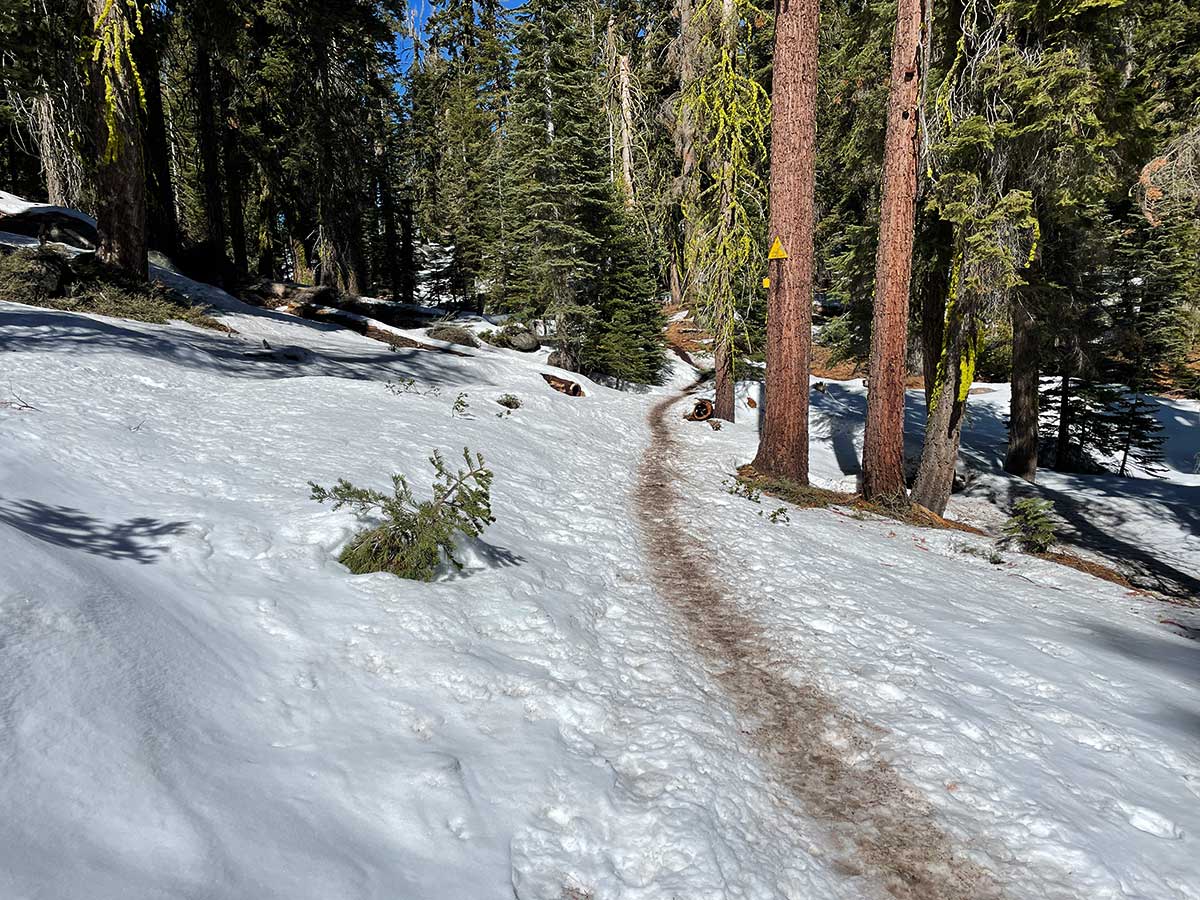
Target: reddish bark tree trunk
(120, 175)
(883, 449)
(783, 447)
(1022, 457)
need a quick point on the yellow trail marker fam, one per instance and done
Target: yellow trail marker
(777, 251)
(766, 282)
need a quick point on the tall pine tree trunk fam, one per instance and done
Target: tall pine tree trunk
(162, 226)
(120, 177)
(408, 256)
(783, 448)
(883, 449)
(948, 403)
(1022, 457)
(625, 91)
(688, 184)
(208, 139)
(1062, 453)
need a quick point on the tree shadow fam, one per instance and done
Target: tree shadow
(478, 555)
(23, 328)
(843, 409)
(64, 526)
(1176, 657)
(1095, 526)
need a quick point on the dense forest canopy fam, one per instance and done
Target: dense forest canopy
(583, 163)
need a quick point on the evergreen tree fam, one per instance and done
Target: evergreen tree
(566, 234)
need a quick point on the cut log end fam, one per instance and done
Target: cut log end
(701, 412)
(564, 386)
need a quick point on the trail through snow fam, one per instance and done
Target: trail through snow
(823, 755)
(198, 701)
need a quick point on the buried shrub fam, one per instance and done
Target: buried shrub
(80, 283)
(1031, 526)
(416, 535)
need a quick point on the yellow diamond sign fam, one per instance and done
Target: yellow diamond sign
(777, 251)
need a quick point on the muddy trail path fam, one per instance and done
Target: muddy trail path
(825, 760)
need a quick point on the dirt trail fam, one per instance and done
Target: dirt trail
(880, 826)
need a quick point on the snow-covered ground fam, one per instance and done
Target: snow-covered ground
(197, 700)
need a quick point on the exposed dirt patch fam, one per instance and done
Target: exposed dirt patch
(824, 757)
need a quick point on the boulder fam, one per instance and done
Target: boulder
(561, 359)
(453, 334)
(520, 338)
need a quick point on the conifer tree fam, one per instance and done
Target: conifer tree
(729, 112)
(120, 178)
(569, 261)
(783, 446)
(883, 448)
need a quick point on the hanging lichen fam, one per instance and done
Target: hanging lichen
(732, 112)
(112, 51)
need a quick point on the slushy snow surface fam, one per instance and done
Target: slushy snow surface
(197, 699)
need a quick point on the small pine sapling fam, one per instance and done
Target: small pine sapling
(1031, 526)
(460, 406)
(416, 535)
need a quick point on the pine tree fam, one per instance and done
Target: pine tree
(729, 112)
(783, 447)
(883, 449)
(563, 238)
(120, 178)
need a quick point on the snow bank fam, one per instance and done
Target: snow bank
(198, 700)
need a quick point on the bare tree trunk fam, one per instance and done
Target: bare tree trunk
(943, 426)
(1062, 454)
(624, 84)
(723, 407)
(783, 447)
(207, 137)
(266, 229)
(162, 226)
(120, 178)
(408, 257)
(933, 320)
(1022, 457)
(883, 449)
(234, 184)
(685, 149)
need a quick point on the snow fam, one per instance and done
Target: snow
(11, 205)
(198, 701)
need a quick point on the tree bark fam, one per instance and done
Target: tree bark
(783, 447)
(408, 258)
(687, 184)
(1022, 457)
(624, 83)
(162, 226)
(883, 448)
(943, 425)
(723, 408)
(207, 137)
(236, 197)
(1062, 453)
(120, 176)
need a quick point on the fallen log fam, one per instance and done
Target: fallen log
(563, 386)
(701, 412)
